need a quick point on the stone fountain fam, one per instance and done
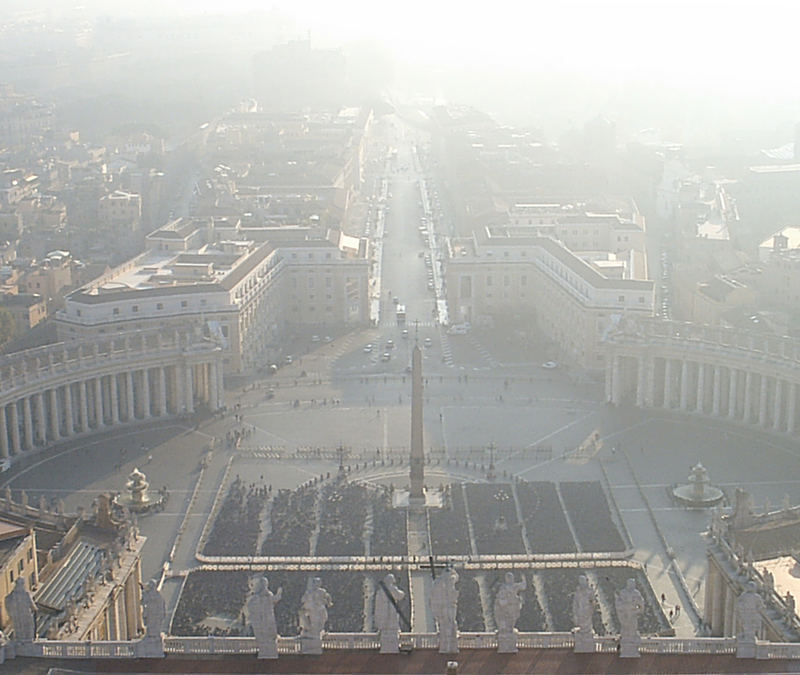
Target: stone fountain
(698, 492)
(137, 500)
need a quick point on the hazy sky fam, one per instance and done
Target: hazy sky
(694, 43)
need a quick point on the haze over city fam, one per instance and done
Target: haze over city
(363, 338)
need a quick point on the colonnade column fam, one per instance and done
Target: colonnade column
(14, 424)
(162, 392)
(83, 411)
(701, 387)
(778, 405)
(667, 383)
(748, 396)
(129, 396)
(3, 433)
(733, 379)
(55, 426)
(684, 384)
(112, 383)
(70, 427)
(791, 410)
(717, 394)
(213, 392)
(27, 423)
(98, 402)
(145, 393)
(762, 402)
(641, 381)
(179, 392)
(189, 389)
(41, 427)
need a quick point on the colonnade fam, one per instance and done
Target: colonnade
(705, 377)
(53, 393)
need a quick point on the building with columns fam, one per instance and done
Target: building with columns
(247, 294)
(754, 548)
(58, 391)
(574, 299)
(740, 376)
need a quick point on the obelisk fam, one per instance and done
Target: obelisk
(417, 464)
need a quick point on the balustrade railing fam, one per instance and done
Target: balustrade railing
(198, 646)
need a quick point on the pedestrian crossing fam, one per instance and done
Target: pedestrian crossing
(410, 325)
(447, 349)
(485, 354)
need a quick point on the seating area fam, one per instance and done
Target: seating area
(293, 519)
(493, 513)
(236, 527)
(588, 511)
(448, 526)
(342, 514)
(388, 526)
(545, 524)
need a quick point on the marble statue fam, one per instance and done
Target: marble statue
(387, 618)
(154, 610)
(749, 606)
(261, 611)
(507, 608)
(788, 600)
(629, 604)
(444, 602)
(21, 609)
(313, 616)
(583, 605)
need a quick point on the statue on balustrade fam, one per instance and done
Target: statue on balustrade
(313, 615)
(507, 608)
(444, 604)
(21, 610)
(629, 604)
(749, 607)
(387, 617)
(583, 605)
(261, 611)
(154, 610)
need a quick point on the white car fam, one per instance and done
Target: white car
(550, 365)
(368, 348)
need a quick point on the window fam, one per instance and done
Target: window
(327, 256)
(184, 303)
(116, 311)
(79, 312)
(160, 305)
(641, 298)
(203, 301)
(224, 331)
(621, 298)
(30, 554)
(135, 308)
(21, 566)
(488, 279)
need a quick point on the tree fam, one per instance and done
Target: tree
(7, 325)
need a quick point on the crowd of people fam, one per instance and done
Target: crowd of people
(293, 519)
(237, 524)
(211, 594)
(588, 510)
(342, 515)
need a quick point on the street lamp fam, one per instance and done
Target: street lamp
(490, 475)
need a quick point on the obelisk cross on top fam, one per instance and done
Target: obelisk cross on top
(417, 463)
